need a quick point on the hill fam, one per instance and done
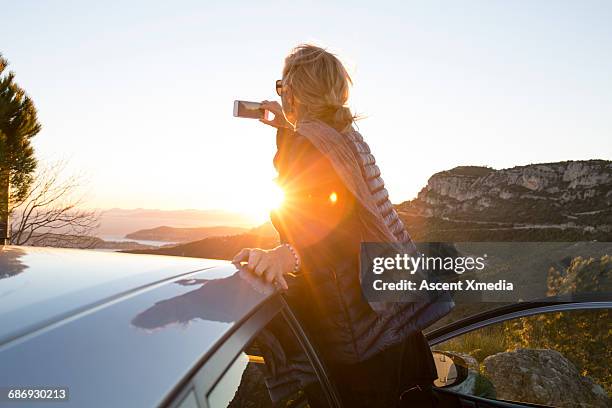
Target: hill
(221, 247)
(82, 242)
(563, 201)
(215, 247)
(173, 234)
(117, 222)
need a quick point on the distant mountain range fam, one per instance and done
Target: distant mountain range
(564, 201)
(221, 247)
(83, 242)
(117, 222)
(172, 234)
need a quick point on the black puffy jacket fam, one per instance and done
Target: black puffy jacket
(320, 219)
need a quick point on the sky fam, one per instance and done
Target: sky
(138, 95)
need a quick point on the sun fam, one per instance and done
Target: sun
(276, 197)
(269, 197)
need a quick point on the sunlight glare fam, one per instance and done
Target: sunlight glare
(269, 197)
(333, 197)
(276, 197)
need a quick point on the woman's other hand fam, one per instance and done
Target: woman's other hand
(270, 265)
(279, 120)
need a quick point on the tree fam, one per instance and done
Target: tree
(18, 124)
(50, 214)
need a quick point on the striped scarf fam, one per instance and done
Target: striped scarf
(354, 163)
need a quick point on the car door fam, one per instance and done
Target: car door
(553, 353)
(267, 362)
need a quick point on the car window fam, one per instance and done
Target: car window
(556, 358)
(272, 371)
(190, 401)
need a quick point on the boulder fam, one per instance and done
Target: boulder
(542, 377)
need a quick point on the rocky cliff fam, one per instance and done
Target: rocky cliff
(570, 200)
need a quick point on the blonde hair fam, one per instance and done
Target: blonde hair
(320, 82)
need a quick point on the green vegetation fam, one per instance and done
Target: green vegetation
(584, 337)
(479, 344)
(433, 229)
(18, 124)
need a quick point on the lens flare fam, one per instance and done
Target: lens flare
(277, 197)
(333, 197)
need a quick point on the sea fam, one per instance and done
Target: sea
(119, 238)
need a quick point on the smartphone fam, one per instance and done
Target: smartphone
(251, 110)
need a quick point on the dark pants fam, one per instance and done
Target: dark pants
(385, 379)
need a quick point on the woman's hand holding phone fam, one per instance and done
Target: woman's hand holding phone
(279, 120)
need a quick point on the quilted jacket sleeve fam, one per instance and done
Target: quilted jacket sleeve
(318, 210)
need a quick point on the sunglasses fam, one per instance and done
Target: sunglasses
(279, 87)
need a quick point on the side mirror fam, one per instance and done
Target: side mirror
(452, 370)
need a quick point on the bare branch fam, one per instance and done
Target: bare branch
(50, 214)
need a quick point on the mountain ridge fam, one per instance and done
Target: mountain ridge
(565, 196)
(177, 234)
(561, 201)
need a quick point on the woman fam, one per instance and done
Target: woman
(334, 200)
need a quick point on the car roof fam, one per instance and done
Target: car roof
(117, 329)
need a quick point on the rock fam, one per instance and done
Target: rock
(542, 377)
(535, 196)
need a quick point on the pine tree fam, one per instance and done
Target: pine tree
(18, 124)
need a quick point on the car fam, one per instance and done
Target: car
(83, 328)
